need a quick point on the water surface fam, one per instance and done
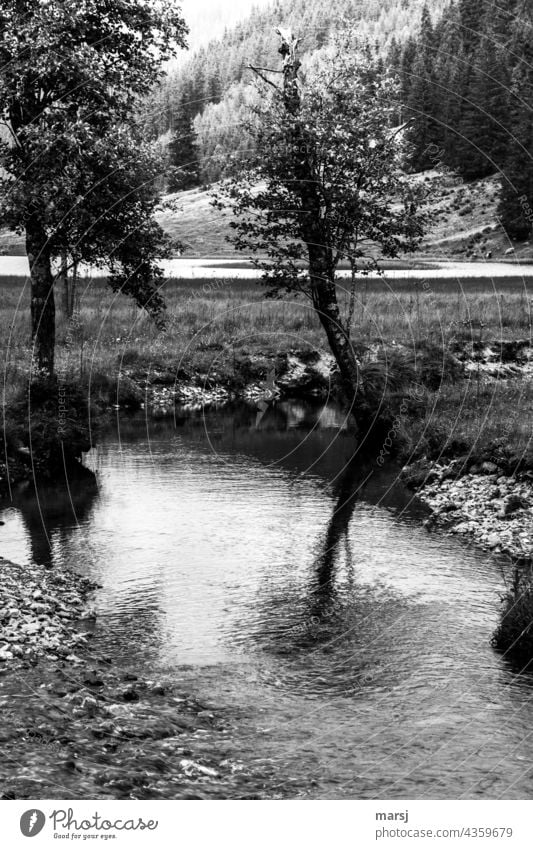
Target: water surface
(269, 565)
(220, 268)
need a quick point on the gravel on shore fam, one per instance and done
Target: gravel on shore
(493, 509)
(77, 725)
(40, 612)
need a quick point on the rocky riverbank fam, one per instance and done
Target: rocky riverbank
(292, 374)
(76, 726)
(485, 505)
(40, 611)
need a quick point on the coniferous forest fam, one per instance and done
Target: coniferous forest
(466, 85)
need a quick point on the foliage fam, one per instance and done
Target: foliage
(53, 421)
(219, 75)
(183, 170)
(76, 175)
(467, 85)
(323, 184)
(343, 131)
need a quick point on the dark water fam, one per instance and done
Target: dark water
(277, 572)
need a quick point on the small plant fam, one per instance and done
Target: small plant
(50, 427)
(514, 636)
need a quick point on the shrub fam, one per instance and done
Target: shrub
(51, 420)
(436, 365)
(514, 635)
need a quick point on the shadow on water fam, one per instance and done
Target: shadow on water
(347, 491)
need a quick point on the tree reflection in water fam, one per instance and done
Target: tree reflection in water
(52, 513)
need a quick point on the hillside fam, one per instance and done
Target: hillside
(207, 20)
(466, 76)
(465, 221)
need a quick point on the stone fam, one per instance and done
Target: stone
(130, 695)
(92, 680)
(513, 503)
(449, 507)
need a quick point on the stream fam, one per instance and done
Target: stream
(271, 567)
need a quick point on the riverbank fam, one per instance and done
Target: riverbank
(489, 506)
(74, 725)
(449, 362)
(484, 505)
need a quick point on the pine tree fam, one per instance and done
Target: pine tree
(494, 95)
(471, 14)
(516, 198)
(183, 172)
(422, 106)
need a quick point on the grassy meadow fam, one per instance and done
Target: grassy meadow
(217, 325)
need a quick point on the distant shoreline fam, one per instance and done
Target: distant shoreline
(223, 267)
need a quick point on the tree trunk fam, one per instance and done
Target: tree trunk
(42, 296)
(64, 281)
(324, 294)
(313, 230)
(72, 290)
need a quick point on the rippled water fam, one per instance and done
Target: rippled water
(277, 573)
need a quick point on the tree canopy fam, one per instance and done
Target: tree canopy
(323, 183)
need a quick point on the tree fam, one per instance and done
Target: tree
(471, 13)
(182, 148)
(76, 175)
(423, 101)
(323, 184)
(516, 195)
(423, 133)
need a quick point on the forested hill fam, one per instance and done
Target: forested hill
(211, 71)
(466, 68)
(467, 82)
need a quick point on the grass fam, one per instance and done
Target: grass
(487, 421)
(217, 325)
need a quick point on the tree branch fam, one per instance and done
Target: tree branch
(8, 126)
(259, 73)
